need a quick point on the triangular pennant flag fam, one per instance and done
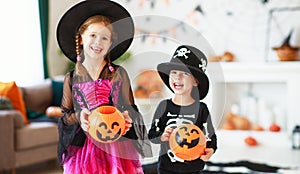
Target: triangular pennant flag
(199, 9)
(265, 1)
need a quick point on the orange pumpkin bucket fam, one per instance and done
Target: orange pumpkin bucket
(107, 124)
(187, 142)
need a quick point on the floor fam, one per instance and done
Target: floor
(49, 167)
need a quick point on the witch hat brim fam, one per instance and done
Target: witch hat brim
(70, 22)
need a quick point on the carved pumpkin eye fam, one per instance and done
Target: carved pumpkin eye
(187, 142)
(184, 128)
(114, 125)
(194, 131)
(103, 125)
(107, 124)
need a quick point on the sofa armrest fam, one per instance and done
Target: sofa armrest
(9, 121)
(15, 115)
(38, 97)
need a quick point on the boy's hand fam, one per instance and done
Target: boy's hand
(84, 123)
(207, 154)
(166, 135)
(128, 121)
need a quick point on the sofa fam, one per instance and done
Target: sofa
(24, 144)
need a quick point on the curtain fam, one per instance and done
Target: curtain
(44, 19)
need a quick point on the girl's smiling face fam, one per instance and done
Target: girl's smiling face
(182, 82)
(96, 40)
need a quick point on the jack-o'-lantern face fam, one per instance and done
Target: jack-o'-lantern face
(107, 124)
(187, 142)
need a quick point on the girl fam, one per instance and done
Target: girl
(185, 77)
(92, 40)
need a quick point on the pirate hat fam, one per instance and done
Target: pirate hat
(71, 21)
(189, 59)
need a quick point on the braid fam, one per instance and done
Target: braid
(109, 64)
(107, 59)
(77, 40)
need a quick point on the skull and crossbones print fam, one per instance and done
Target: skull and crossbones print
(182, 52)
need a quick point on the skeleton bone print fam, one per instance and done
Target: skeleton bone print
(182, 52)
(203, 65)
(175, 122)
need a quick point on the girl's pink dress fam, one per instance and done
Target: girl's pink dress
(119, 157)
(90, 159)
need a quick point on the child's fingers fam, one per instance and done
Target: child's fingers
(164, 137)
(84, 114)
(127, 117)
(166, 134)
(128, 126)
(208, 153)
(128, 121)
(169, 130)
(84, 123)
(85, 127)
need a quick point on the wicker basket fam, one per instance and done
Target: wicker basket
(287, 53)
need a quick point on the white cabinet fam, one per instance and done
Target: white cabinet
(279, 80)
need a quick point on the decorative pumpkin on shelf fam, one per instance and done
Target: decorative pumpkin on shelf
(236, 122)
(148, 84)
(286, 52)
(226, 57)
(187, 142)
(107, 124)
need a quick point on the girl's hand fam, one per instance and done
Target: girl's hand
(84, 123)
(207, 154)
(166, 135)
(128, 122)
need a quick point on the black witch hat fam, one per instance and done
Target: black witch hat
(286, 42)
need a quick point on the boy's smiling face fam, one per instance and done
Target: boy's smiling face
(182, 82)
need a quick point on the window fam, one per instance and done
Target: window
(21, 57)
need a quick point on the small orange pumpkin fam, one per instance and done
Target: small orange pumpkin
(107, 124)
(187, 142)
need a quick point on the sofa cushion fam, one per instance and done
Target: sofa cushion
(12, 91)
(36, 134)
(57, 92)
(38, 97)
(5, 103)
